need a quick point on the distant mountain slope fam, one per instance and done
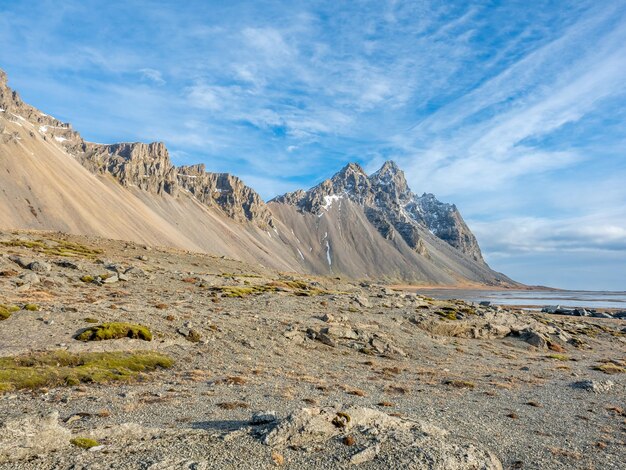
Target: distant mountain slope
(353, 225)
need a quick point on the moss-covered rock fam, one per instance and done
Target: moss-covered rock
(84, 442)
(31, 307)
(7, 310)
(115, 330)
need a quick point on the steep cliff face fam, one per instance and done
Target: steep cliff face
(391, 207)
(238, 201)
(445, 221)
(145, 166)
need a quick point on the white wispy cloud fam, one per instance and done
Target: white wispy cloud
(153, 75)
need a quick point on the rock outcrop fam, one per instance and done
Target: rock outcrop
(238, 201)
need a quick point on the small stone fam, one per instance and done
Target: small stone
(111, 279)
(365, 455)
(601, 315)
(39, 267)
(67, 264)
(278, 458)
(325, 339)
(29, 278)
(595, 386)
(362, 301)
(534, 339)
(263, 417)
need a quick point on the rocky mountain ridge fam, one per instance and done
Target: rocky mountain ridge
(146, 166)
(390, 206)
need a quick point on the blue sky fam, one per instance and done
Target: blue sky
(516, 113)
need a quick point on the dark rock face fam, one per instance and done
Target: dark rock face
(445, 221)
(391, 207)
(146, 166)
(226, 191)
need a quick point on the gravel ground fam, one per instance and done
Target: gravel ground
(470, 370)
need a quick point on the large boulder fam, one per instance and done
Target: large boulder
(29, 436)
(398, 442)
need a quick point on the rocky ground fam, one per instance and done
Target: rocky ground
(272, 369)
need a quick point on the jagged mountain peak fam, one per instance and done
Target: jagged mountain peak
(390, 206)
(390, 181)
(389, 168)
(350, 168)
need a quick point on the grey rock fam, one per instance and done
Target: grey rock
(134, 271)
(601, 315)
(39, 267)
(21, 262)
(595, 386)
(365, 455)
(422, 442)
(551, 309)
(328, 318)
(340, 331)
(263, 417)
(534, 339)
(295, 336)
(362, 301)
(67, 264)
(29, 278)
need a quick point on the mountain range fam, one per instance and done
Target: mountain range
(353, 224)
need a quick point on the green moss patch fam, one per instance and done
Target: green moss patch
(84, 442)
(298, 288)
(447, 314)
(55, 247)
(7, 310)
(61, 368)
(559, 357)
(115, 330)
(31, 307)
